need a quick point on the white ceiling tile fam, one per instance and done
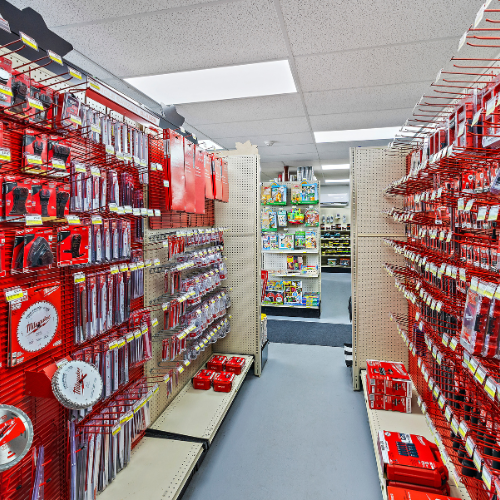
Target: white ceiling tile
(352, 100)
(71, 12)
(335, 25)
(237, 110)
(238, 131)
(340, 150)
(203, 37)
(413, 62)
(354, 121)
(284, 151)
(281, 140)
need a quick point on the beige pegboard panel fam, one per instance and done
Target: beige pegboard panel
(97, 106)
(241, 218)
(374, 295)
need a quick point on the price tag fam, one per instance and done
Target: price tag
(448, 413)
(445, 339)
(5, 154)
(480, 374)
(113, 269)
(454, 425)
(148, 263)
(79, 278)
(486, 475)
(154, 322)
(474, 283)
(473, 365)
(33, 159)
(33, 220)
(477, 459)
(156, 262)
(491, 388)
(493, 215)
(74, 73)
(127, 209)
(144, 211)
(96, 219)
(123, 267)
(453, 343)
(14, 294)
(35, 103)
(436, 391)
(73, 219)
(481, 213)
(110, 149)
(157, 213)
(75, 119)
(476, 117)
(29, 41)
(136, 211)
(463, 429)
(120, 210)
(461, 204)
(58, 164)
(151, 213)
(470, 445)
(468, 207)
(55, 57)
(132, 266)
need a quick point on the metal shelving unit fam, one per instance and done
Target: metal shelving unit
(409, 423)
(274, 261)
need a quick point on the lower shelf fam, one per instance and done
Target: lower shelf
(290, 306)
(159, 468)
(409, 423)
(198, 413)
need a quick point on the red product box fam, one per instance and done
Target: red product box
(203, 380)
(5, 82)
(235, 365)
(43, 198)
(411, 459)
(72, 245)
(17, 197)
(387, 377)
(223, 382)
(217, 364)
(410, 494)
(390, 403)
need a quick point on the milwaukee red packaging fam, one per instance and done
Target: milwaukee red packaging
(209, 180)
(389, 403)
(203, 380)
(409, 494)
(387, 377)
(409, 459)
(199, 178)
(217, 176)
(177, 181)
(223, 382)
(225, 181)
(189, 176)
(72, 245)
(217, 363)
(17, 197)
(235, 365)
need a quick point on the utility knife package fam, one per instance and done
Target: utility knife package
(190, 178)
(17, 197)
(34, 152)
(176, 169)
(199, 179)
(72, 245)
(34, 322)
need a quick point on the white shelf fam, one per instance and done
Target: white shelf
(294, 275)
(289, 306)
(409, 423)
(199, 413)
(159, 468)
(289, 251)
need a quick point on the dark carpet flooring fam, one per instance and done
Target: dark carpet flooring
(298, 332)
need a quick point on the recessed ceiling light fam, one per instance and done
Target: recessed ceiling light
(340, 181)
(336, 167)
(216, 84)
(208, 144)
(363, 134)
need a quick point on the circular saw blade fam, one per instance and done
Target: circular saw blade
(16, 436)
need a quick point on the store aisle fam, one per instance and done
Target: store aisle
(335, 293)
(297, 433)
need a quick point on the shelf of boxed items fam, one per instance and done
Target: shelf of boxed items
(408, 423)
(332, 248)
(289, 224)
(198, 413)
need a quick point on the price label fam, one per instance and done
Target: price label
(5, 90)
(445, 339)
(491, 388)
(14, 294)
(470, 445)
(110, 149)
(477, 459)
(127, 209)
(481, 213)
(5, 154)
(454, 425)
(151, 213)
(113, 270)
(486, 476)
(79, 278)
(493, 215)
(120, 210)
(73, 219)
(75, 119)
(469, 205)
(136, 211)
(453, 343)
(154, 322)
(55, 57)
(480, 375)
(74, 73)
(29, 41)
(448, 413)
(463, 429)
(33, 220)
(96, 219)
(58, 164)
(157, 213)
(35, 103)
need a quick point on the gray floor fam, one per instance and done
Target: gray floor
(335, 293)
(297, 433)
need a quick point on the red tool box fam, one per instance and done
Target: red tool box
(223, 382)
(217, 363)
(387, 377)
(389, 403)
(409, 494)
(235, 365)
(411, 461)
(203, 380)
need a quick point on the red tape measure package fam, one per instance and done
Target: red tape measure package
(412, 459)
(387, 377)
(203, 380)
(409, 494)
(34, 321)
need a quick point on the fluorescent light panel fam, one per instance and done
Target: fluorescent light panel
(208, 144)
(363, 134)
(217, 84)
(340, 181)
(336, 167)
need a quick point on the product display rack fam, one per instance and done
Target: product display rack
(335, 239)
(275, 261)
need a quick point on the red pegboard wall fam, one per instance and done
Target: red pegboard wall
(49, 418)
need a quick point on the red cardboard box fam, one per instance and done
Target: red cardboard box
(409, 494)
(203, 380)
(387, 377)
(412, 460)
(389, 403)
(223, 382)
(217, 364)
(235, 365)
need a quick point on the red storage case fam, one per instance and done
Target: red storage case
(410, 494)
(223, 382)
(387, 377)
(235, 365)
(389, 403)
(203, 380)
(217, 364)
(409, 459)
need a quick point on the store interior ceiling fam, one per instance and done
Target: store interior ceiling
(355, 65)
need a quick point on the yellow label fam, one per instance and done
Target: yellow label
(55, 57)
(75, 119)
(31, 42)
(5, 90)
(74, 73)
(94, 86)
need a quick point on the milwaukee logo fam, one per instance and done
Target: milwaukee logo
(78, 388)
(35, 326)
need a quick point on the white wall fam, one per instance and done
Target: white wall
(335, 189)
